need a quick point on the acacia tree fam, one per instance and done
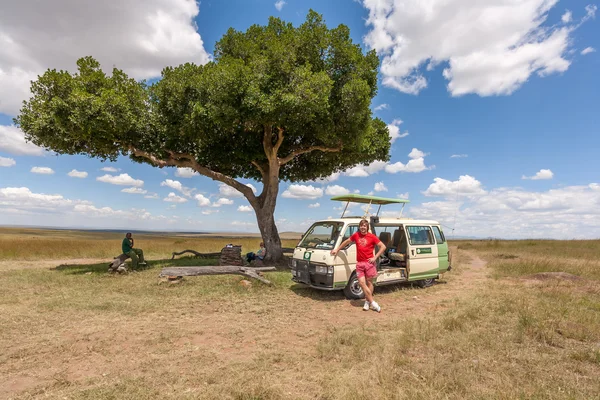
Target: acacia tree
(278, 102)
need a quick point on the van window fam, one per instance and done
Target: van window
(350, 230)
(322, 235)
(419, 235)
(439, 235)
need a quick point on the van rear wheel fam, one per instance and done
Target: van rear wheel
(353, 291)
(424, 283)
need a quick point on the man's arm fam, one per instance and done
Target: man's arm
(341, 246)
(380, 249)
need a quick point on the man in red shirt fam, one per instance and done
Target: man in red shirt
(365, 260)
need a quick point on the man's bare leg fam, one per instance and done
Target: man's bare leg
(365, 287)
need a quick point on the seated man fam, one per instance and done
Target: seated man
(259, 255)
(137, 255)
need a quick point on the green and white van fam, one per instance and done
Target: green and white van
(417, 250)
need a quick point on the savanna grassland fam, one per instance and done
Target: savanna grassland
(512, 320)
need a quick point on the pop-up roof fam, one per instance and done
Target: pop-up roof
(360, 198)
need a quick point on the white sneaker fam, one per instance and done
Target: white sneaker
(366, 306)
(375, 306)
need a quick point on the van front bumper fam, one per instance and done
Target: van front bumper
(305, 272)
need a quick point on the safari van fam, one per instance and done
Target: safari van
(416, 250)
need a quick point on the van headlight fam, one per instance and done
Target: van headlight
(321, 269)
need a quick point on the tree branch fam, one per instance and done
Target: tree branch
(279, 140)
(260, 169)
(296, 153)
(183, 160)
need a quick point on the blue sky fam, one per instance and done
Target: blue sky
(493, 110)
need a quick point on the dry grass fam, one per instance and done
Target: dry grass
(37, 244)
(78, 333)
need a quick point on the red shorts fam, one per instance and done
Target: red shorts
(366, 269)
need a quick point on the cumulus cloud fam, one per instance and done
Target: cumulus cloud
(541, 174)
(381, 107)
(7, 162)
(465, 186)
(490, 47)
(173, 198)
(177, 186)
(202, 201)
(185, 173)
(314, 205)
(459, 156)
(302, 192)
(12, 139)
(279, 4)
(22, 198)
(228, 191)
(222, 202)
(336, 190)
(366, 170)
(380, 187)
(414, 165)
(121, 180)
(208, 212)
(136, 190)
(567, 17)
(42, 170)
(138, 36)
(151, 196)
(402, 195)
(331, 178)
(394, 129)
(110, 169)
(77, 174)
(245, 209)
(587, 50)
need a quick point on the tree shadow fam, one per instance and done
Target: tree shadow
(102, 268)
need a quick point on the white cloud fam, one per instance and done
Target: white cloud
(185, 173)
(245, 209)
(208, 212)
(465, 186)
(177, 186)
(7, 162)
(42, 170)
(587, 50)
(222, 202)
(380, 187)
(491, 47)
(331, 178)
(279, 4)
(110, 169)
(336, 190)
(77, 174)
(402, 195)
(459, 156)
(23, 198)
(243, 223)
(414, 165)
(302, 192)
(122, 180)
(567, 17)
(541, 174)
(136, 190)
(12, 139)
(151, 196)
(381, 107)
(173, 198)
(314, 205)
(366, 170)
(394, 129)
(138, 36)
(202, 201)
(228, 191)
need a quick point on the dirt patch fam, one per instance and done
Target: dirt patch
(544, 276)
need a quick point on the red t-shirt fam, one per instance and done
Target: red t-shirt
(364, 245)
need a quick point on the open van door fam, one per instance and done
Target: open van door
(423, 252)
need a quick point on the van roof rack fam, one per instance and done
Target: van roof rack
(360, 198)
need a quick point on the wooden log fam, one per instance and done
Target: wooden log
(218, 270)
(116, 263)
(201, 255)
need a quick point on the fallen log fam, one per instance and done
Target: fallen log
(201, 255)
(117, 262)
(217, 270)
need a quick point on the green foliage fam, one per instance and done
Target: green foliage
(310, 83)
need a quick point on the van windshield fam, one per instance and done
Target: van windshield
(322, 235)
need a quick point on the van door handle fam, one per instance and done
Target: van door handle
(412, 252)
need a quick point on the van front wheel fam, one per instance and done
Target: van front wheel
(424, 283)
(353, 291)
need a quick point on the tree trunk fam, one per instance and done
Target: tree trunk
(270, 235)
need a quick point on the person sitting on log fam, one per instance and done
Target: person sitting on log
(137, 255)
(259, 255)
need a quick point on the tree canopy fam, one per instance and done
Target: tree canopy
(277, 102)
